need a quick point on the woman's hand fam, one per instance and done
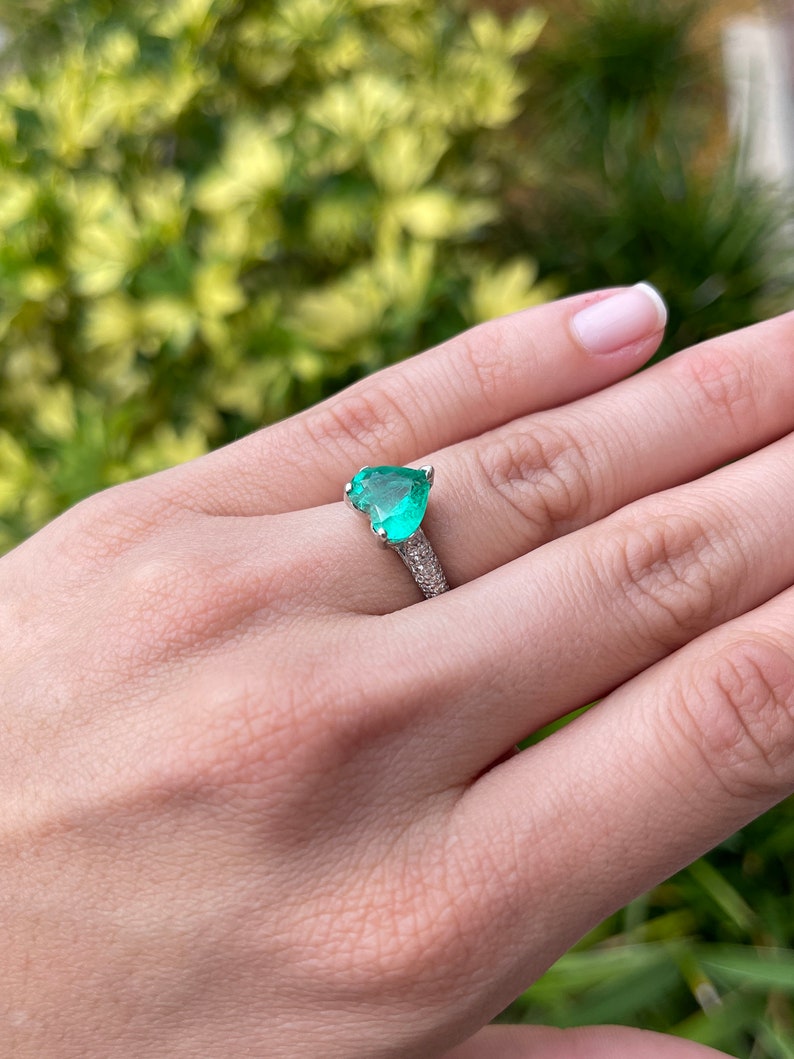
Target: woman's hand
(250, 805)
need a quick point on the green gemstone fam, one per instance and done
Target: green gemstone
(395, 498)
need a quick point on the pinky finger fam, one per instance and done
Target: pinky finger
(663, 769)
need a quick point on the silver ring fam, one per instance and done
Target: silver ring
(395, 499)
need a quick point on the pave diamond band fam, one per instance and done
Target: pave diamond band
(422, 561)
(395, 499)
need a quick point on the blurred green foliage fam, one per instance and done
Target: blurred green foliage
(214, 212)
(638, 178)
(708, 955)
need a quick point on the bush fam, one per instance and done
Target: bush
(639, 178)
(214, 213)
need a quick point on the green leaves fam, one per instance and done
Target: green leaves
(752, 969)
(212, 213)
(640, 178)
(708, 955)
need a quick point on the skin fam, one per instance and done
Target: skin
(250, 805)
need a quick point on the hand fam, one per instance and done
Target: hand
(250, 799)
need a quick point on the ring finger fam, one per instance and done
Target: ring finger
(505, 493)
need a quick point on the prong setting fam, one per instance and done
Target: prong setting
(395, 499)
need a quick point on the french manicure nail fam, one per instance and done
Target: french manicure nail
(614, 323)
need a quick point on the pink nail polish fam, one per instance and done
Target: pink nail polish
(614, 323)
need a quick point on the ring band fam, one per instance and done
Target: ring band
(418, 555)
(395, 499)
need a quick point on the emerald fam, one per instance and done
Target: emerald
(395, 498)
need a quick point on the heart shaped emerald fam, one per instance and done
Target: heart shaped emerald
(395, 498)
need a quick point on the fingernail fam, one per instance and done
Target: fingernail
(616, 322)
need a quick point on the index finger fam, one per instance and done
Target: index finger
(531, 360)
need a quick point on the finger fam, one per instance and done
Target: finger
(533, 359)
(505, 493)
(661, 771)
(498, 496)
(587, 1042)
(561, 627)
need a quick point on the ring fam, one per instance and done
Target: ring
(395, 499)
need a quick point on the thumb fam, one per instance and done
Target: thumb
(586, 1042)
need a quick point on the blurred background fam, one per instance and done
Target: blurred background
(213, 212)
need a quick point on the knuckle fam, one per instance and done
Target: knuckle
(543, 475)
(667, 570)
(483, 361)
(417, 923)
(720, 384)
(262, 724)
(741, 718)
(173, 603)
(243, 730)
(156, 602)
(105, 526)
(168, 583)
(366, 419)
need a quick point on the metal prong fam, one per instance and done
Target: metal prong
(348, 501)
(429, 472)
(381, 535)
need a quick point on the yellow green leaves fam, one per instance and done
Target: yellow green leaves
(404, 157)
(185, 17)
(360, 108)
(434, 213)
(344, 315)
(252, 164)
(17, 197)
(165, 448)
(14, 470)
(508, 287)
(54, 411)
(499, 38)
(26, 495)
(105, 245)
(210, 216)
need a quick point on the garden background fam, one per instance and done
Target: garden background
(213, 212)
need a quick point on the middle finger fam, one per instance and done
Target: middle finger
(520, 486)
